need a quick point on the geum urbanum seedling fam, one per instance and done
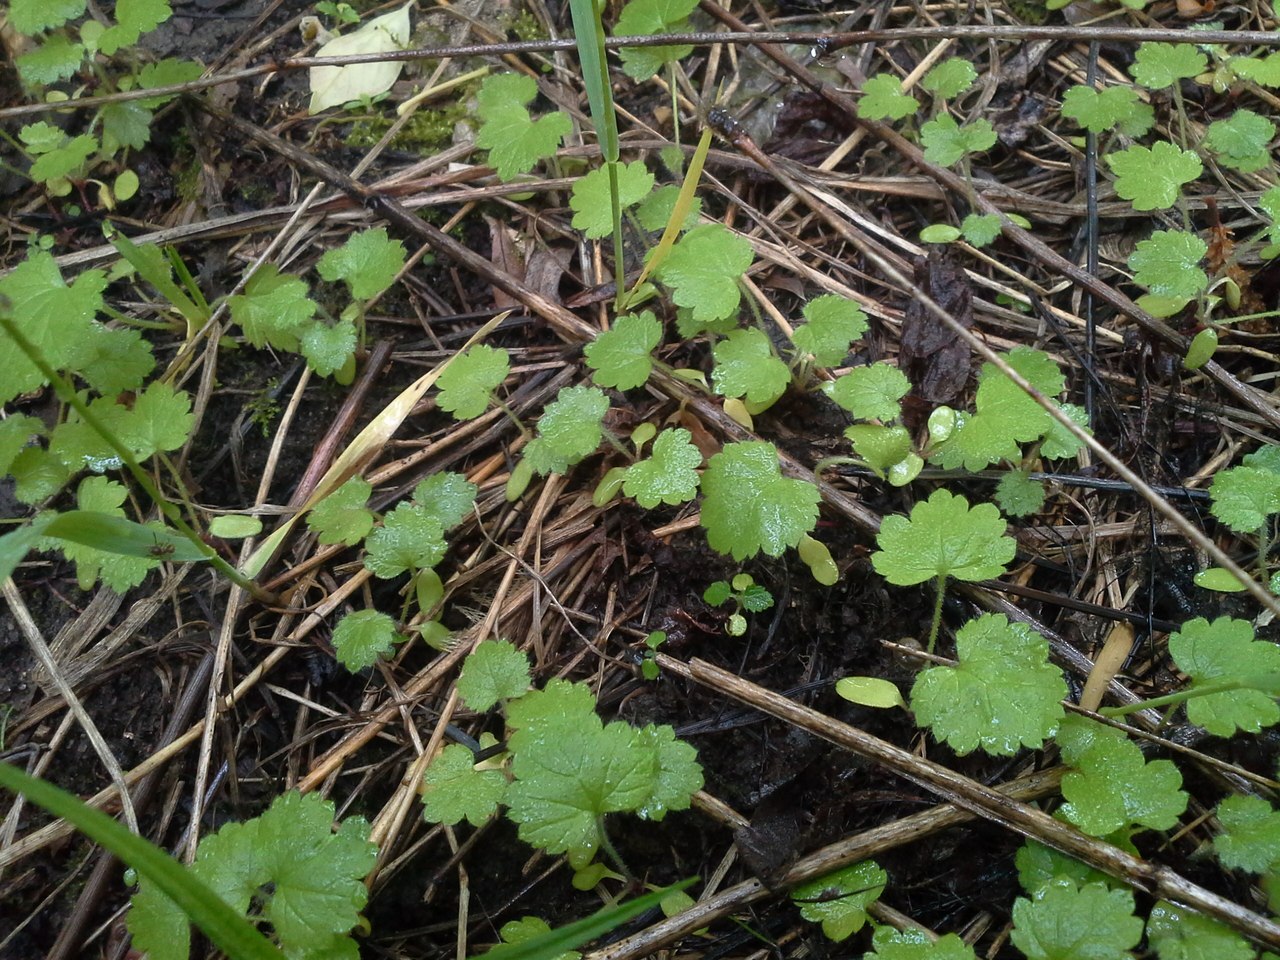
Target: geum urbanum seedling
(565, 769)
(745, 594)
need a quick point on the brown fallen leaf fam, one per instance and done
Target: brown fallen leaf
(934, 358)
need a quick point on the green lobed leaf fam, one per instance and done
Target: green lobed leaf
(641, 18)
(521, 931)
(454, 790)
(678, 778)
(1064, 922)
(882, 98)
(946, 142)
(981, 229)
(1250, 837)
(569, 431)
(746, 366)
(165, 73)
(1100, 110)
(703, 269)
(915, 944)
(872, 392)
(466, 384)
(1038, 864)
(494, 671)
(1059, 443)
(1160, 65)
(447, 496)
(832, 323)
(117, 570)
(1224, 651)
(1244, 497)
(55, 59)
(880, 446)
(1168, 263)
(1241, 142)
(950, 78)
(943, 537)
(410, 538)
(1002, 696)
(839, 900)
(133, 19)
(669, 475)
(126, 124)
(1177, 933)
(749, 507)
(33, 16)
(1264, 71)
(342, 517)
(619, 357)
(515, 141)
(1018, 495)
(1151, 178)
(273, 309)
(592, 204)
(362, 637)
(656, 209)
(327, 347)
(367, 262)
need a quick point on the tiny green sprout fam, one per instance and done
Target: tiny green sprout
(745, 594)
(649, 664)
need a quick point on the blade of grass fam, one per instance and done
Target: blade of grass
(228, 930)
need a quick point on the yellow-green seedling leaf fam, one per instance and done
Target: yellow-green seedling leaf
(454, 790)
(273, 309)
(589, 877)
(905, 470)
(519, 480)
(746, 366)
(679, 776)
(703, 269)
(870, 692)
(1002, 696)
(1250, 837)
(1241, 141)
(515, 141)
(832, 323)
(591, 203)
(569, 431)
(468, 383)
(1244, 497)
(642, 434)
(669, 475)
(619, 357)
(1151, 178)
(915, 944)
(943, 538)
(1110, 786)
(368, 262)
(234, 526)
(1064, 922)
(946, 142)
(881, 447)
(1264, 71)
(494, 671)
(1224, 654)
(447, 496)
(749, 507)
(882, 98)
(1220, 580)
(940, 233)
(57, 58)
(655, 210)
(133, 19)
(342, 516)
(1168, 263)
(334, 86)
(303, 877)
(942, 424)
(520, 931)
(873, 392)
(410, 538)
(644, 18)
(34, 16)
(57, 317)
(950, 78)
(1201, 349)
(839, 900)
(609, 487)
(1177, 933)
(362, 637)
(980, 229)
(1018, 495)
(1159, 65)
(1038, 864)
(817, 558)
(428, 590)
(1100, 110)
(1006, 416)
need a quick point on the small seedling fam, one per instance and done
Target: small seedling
(745, 594)
(649, 664)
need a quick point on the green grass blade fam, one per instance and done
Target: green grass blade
(228, 930)
(550, 945)
(102, 531)
(588, 33)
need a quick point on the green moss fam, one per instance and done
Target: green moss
(524, 26)
(426, 130)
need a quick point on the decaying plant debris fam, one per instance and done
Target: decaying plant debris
(209, 700)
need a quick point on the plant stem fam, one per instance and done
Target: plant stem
(611, 851)
(936, 625)
(66, 392)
